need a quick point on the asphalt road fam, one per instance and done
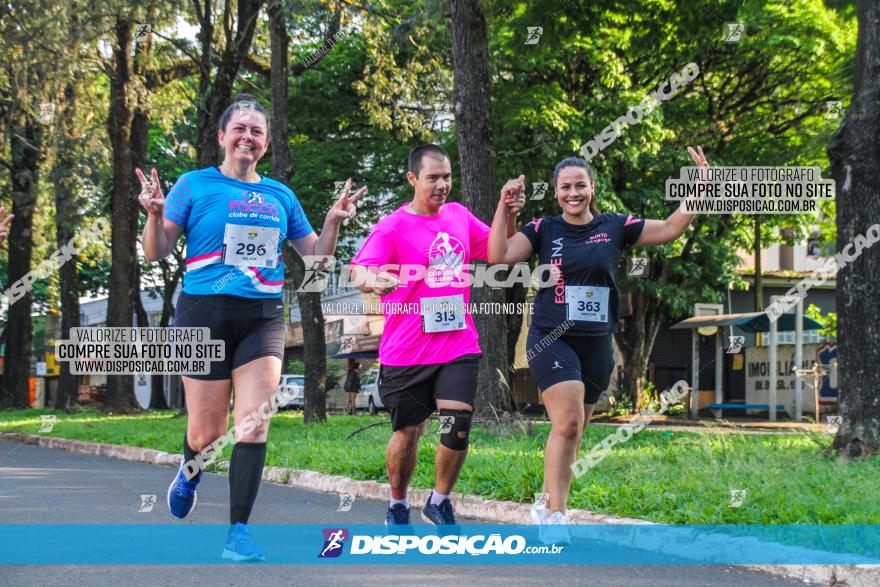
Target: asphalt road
(48, 486)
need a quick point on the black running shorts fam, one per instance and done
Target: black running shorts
(250, 328)
(589, 359)
(411, 393)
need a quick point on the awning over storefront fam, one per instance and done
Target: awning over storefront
(709, 317)
(750, 322)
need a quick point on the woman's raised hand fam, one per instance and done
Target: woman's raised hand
(151, 197)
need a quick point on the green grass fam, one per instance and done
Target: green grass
(680, 478)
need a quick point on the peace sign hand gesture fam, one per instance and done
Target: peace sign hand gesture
(151, 197)
(344, 208)
(700, 160)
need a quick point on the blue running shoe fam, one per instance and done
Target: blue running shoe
(397, 520)
(555, 530)
(240, 547)
(182, 493)
(441, 515)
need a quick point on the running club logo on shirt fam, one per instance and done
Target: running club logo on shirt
(599, 237)
(445, 261)
(254, 203)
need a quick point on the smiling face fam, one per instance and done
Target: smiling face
(574, 190)
(434, 182)
(245, 138)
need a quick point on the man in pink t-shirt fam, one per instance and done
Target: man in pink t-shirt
(418, 259)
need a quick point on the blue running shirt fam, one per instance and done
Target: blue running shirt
(231, 227)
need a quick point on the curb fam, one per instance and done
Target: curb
(489, 510)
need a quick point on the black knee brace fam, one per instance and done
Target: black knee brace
(455, 426)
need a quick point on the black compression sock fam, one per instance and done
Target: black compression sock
(188, 452)
(245, 473)
(188, 455)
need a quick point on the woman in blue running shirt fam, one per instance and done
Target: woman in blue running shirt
(574, 317)
(235, 222)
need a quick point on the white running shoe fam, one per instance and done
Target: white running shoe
(555, 530)
(539, 513)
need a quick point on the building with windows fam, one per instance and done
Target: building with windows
(746, 374)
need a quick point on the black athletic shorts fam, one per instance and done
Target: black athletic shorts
(250, 328)
(411, 393)
(589, 359)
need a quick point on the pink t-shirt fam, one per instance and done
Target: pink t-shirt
(442, 245)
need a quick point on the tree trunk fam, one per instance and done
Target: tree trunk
(314, 345)
(515, 295)
(68, 208)
(170, 279)
(139, 141)
(473, 121)
(635, 341)
(140, 312)
(123, 207)
(219, 92)
(206, 59)
(855, 165)
(278, 77)
(25, 146)
(157, 392)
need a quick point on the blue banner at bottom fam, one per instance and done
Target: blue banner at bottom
(625, 544)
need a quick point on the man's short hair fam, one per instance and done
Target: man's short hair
(416, 155)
